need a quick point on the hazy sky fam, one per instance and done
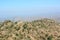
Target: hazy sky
(31, 8)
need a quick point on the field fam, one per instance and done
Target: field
(43, 29)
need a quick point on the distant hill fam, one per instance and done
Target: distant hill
(43, 29)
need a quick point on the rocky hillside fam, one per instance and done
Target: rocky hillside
(44, 29)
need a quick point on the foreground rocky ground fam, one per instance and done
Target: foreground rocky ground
(44, 29)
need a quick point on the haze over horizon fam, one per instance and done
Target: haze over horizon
(29, 8)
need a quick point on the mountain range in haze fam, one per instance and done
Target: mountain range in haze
(29, 18)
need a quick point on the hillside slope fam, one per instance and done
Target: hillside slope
(44, 29)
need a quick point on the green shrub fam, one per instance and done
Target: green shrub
(50, 37)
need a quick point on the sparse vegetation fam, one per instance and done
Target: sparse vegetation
(45, 29)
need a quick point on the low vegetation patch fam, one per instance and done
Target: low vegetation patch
(45, 29)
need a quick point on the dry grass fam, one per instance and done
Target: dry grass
(45, 29)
